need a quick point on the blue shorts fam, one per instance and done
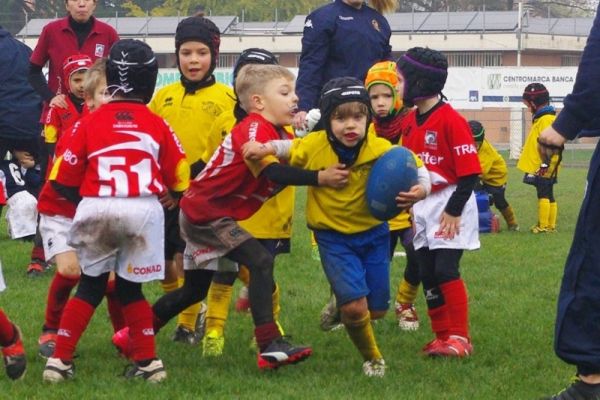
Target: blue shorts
(357, 265)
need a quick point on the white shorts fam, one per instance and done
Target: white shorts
(21, 215)
(426, 218)
(55, 234)
(124, 235)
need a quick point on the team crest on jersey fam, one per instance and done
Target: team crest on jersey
(99, 50)
(431, 139)
(375, 25)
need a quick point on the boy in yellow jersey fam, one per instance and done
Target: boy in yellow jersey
(541, 173)
(271, 224)
(494, 174)
(354, 246)
(190, 107)
(384, 85)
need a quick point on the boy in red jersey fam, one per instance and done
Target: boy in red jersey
(231, 189)
(60, 119)
(118, 161)
(446, 222)
(56, 218)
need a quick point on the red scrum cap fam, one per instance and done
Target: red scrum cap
(74, 63)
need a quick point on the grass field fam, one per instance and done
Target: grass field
(513, 283)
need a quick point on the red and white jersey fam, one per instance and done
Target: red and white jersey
(230, 186)
(122, 150)
(50, 202)
(59, 120)
(444, 143)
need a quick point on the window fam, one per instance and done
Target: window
(570, 60)
(474, 59)
(226, 60)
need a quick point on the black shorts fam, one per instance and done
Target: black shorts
(173, 241)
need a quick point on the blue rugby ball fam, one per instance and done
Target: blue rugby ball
(392, 173)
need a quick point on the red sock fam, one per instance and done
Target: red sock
(7, 330)
(455, 294)
(440, 321)
(75, 319)
(138, 316)
(37, 253)
(58, 295)
(115, 311)
(265, 334)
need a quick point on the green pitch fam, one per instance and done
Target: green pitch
(513, 283)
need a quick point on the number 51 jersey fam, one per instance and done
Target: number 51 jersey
(123, 150)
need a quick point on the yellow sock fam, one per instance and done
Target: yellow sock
(169, 286)
(187, 318)
(361, 334)
(407, 293)
(244, 275)
(277, 309)
(543, 212)
(218, 299)
(552, 215)
(509, 216)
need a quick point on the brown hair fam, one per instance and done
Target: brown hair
(345, 110)
(384, 6)
(253, 78)
(94, 77)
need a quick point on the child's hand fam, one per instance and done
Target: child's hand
(59, 101)
(24, 158)
(449, 226)
(407, 199)
(335, 176)
(256, 150)
(167, 201)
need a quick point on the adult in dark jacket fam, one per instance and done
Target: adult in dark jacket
(343, 38)
(20, 105)
(577, 331)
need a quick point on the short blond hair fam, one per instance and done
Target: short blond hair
(94, 76)
(253, 78)
(384, 6)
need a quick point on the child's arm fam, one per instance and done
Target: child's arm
(253, 150)
(417, 192)
(450, 221)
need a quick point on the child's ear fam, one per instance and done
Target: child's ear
(257, 102)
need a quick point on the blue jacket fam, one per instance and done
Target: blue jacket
(582, 106)
(339, 40)
(20, 106)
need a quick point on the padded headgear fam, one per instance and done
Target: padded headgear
(425, 71)
(132, 68)
(336, 92)
(199, 29)
(385, 73)
(74, 63)
(253, 56)
(537, 94)
(477, 130)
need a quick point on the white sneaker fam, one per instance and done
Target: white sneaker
(374, 368)
(57, 371)
(408, 320)
(153, 372)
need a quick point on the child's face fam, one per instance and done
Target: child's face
(76, 83)
(349, 127)
(99, 97)
(278, 103)
(382, 99)
(194, 60)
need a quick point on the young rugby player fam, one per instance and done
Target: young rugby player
(446, 222)
(540, 172)
(271, 225)
(118, 161)
(354, 246)
(494, 174)
(56, 219)
(389, 116)
(190, 107)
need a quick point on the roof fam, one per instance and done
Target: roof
(414, 22)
